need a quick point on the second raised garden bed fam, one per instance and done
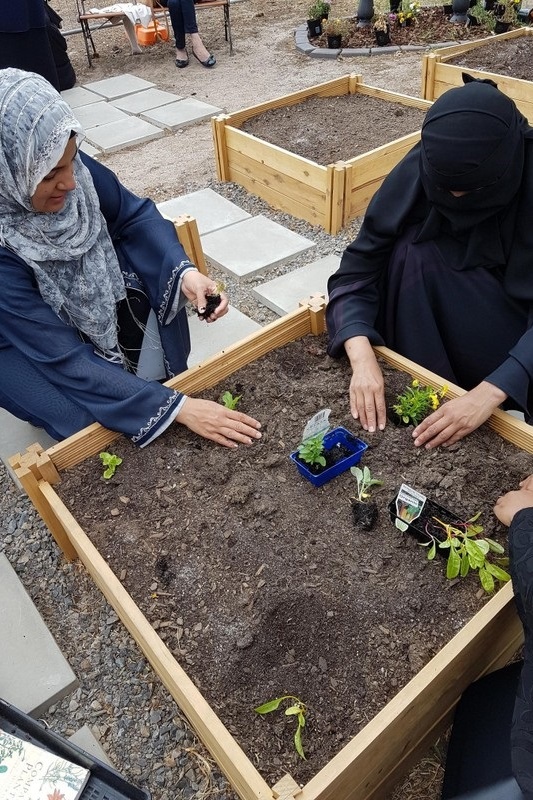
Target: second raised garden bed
(329, 195)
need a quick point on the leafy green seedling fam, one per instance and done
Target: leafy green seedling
(296, 709)
(312, 450)
(110, 462)
(364, 482)
(231, 401)
(416, 402)
(468, 551)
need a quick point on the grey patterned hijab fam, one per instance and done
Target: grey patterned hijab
(69, 251)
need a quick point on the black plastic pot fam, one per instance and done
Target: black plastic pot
(423, 526)
(395, 5)
(447, 9)
(382, 38)
(472, 20)
(501, 27)
(334, 41)
(314, 27)
(489, 5)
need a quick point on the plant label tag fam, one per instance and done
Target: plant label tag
(409, 505)
(317, 424)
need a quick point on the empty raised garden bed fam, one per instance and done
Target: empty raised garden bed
(382, 751)
(439, 74)
(329, 195)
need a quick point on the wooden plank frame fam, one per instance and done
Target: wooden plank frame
(378, 756)
(438, 76)
(326, 195)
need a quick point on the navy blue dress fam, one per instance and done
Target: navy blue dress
(55, 380)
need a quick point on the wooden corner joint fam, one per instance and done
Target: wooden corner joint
(286, 789)
(37, 461)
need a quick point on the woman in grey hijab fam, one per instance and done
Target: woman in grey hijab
(83, 264)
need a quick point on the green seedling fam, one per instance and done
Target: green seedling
(468, 551)
(296, 709)
(110, 462)
(312, 450)
(365, 481)
(416, 402)
(231, 401)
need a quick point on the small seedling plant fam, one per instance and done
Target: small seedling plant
(312, 451)
(365, 481)
(468, 551)
(231, 401)
(295, 709)
(416, 402)
(110, 463)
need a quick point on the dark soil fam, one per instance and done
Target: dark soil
(512, 57)
(259, 582)
(329, 129)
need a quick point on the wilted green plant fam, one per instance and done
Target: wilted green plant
(231, 401)
(416, 402)
(468, 551)
(110, 462)
(312, 450)
(296, 709)
(364, 482)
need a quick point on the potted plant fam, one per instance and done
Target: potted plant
(505, 13)
(364, 510)
(335, 29)
(323, 456)
(318, 11)
(478, 15)
(381, 30)
(416, 402)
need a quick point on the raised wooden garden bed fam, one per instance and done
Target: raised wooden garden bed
(373, 760)
(438, 75)
(327, 195)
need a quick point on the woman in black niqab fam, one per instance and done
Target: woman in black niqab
(441, 269)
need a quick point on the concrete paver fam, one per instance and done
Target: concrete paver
(178, 115)
(206, 340)
(85, 738)
(116, 135)
(34, 674)
(252, 246)
(142, 101)
(17, 435)
(85, 147)
(119, 86)
(101, 113)
(210, 209)
(79, 96)
(284, 294)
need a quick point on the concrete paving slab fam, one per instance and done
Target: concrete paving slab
(78, 96)
(206, 340)
(210, 209)
(143, 101)
(86, 739)
(284, 294)
(101, 113)
(18, 435)
(115, 135)
(119, 86)
(178, 115)
(253, 245)
(34, 674)
(85, 147)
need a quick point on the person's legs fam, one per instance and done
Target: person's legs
(178, 26)
(183, 18)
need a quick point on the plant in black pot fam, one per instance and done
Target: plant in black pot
(364, 510)
(381, 30)
(317, 12)
(505, 13)
(336, 28)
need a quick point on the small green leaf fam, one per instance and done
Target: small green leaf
(298, 743)
(272, 705)
(465, 566)
(494, 546)
(454, 564)
(432, 552)
(499, 573)
(487, 581)
(296, 709)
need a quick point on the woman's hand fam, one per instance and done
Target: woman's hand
(509, 504)
(367, 392)
(218, 423)
(457, 418)
(196, 286)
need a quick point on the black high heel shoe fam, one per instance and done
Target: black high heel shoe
(182, 62)
(209, 62)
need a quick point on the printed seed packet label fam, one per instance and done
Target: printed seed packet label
(317, 424)
(409, 505)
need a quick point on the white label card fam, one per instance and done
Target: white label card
(317, 424)
(409, 505)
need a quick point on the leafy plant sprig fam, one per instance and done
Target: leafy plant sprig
(365, 481)
(110, 462)
(312, 450)
(468, 551)
(296, 709)
(231, 401)
(416, 402)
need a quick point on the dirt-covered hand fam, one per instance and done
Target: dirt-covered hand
(510, 503)
(367, 389)
(457, 418)
(196, 287)
(218, 423)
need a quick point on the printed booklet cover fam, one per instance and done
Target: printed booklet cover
(27, 772)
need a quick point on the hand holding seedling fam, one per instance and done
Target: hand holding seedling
(457, 418)
(197, 288)
(367, 389)
(511, 503)
(219, 424)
